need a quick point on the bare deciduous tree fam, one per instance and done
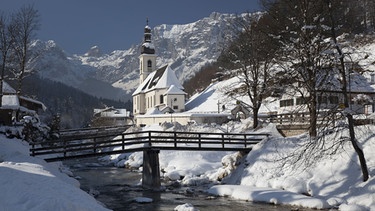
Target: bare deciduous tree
(344, 89)
(250, 58)
(22, 29)
(5, 45)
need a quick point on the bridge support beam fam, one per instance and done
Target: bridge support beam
(151, 169)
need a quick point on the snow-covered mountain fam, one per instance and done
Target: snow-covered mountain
(187, 48)
(54, 63)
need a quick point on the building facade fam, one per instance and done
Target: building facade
(159, 89)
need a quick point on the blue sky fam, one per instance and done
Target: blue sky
(77, 25)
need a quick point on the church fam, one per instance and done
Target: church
(159, 90)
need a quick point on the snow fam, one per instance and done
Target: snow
(30, 183)
(7, 89)
(268, 195)
(185, 207)
(267, 174)
(10, 101)
(207, 101)
(168, 79)
(173, 90)
(148, 45)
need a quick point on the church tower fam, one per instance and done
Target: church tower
(147, 59)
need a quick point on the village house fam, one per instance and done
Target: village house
(14, 107)
(361, 91)
(111, 117)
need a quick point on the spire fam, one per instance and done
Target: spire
(147, 47)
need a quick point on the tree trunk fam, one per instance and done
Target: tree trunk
(348, 115)
(255, 116)
(358, 150)
(313, 116)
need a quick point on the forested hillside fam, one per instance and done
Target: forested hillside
(73, 106)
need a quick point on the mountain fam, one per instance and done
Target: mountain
(53, 63)
(187, 48)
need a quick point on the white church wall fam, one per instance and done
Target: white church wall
(177, 102)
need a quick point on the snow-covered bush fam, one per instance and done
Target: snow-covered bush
(33, 130)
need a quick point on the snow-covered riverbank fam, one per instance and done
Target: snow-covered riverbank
(267, 174)
(270, 173)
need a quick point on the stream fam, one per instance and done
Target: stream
(119, 189)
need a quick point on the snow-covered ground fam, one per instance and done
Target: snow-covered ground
(267, 174)
(29, 183)
(270, 172)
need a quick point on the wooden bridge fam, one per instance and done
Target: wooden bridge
(150, 142)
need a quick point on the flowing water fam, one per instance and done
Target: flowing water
(119, 189)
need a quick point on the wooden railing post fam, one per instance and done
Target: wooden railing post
(199, 141)
(175, 139)
(149, 139)
(123, 141)
(245, 139)
(222, 140)
(33, 149)
(94, 145)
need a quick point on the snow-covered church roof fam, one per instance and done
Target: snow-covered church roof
(173, 90)
(159, 79)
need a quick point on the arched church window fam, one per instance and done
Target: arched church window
(161, 99)
(149, 63)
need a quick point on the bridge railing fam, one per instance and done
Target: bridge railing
(138, 141)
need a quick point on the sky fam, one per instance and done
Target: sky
(77, 25)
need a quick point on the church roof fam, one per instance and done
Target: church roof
(161, 78)
(173, 90)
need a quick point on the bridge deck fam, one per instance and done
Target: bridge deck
(70, 148)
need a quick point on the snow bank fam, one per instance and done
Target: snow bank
(268, 195)
(333, 177)
(29, 183)
(269, 173)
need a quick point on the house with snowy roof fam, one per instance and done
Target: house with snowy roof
(14, 107)
(111, 116)
(159, 91)
(361, 91)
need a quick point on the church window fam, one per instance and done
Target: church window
(161, 99)
(175, 107)
(149, 64)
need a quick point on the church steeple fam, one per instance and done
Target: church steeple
(147, 46)
(147, 59)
